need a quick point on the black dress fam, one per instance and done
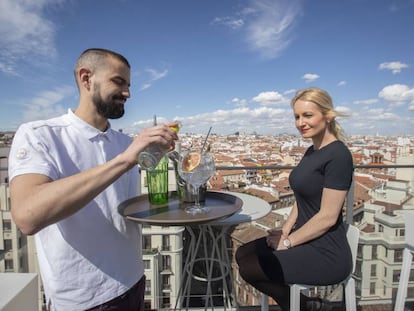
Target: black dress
(325, 260)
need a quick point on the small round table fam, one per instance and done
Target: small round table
(208, 243)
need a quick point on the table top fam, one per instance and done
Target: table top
(221, 205)
(253, 208)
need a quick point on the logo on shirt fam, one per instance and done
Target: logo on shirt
(22, 153)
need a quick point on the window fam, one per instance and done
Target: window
(7, 225)
(372, 288)
(8, 265)
(146, 242)
(373, 270)
(166, 243)
(166, 263)
(360, 251)
(166, 282)
(147, 264)
(380, 228)
(374, 252)
(396, 276)
(165, 302)
(398, 255)
(402, 232)
(358, 268)
(148, 287)
(7, 245)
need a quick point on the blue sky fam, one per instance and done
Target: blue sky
(230, 64)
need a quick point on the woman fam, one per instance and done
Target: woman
(312, 247)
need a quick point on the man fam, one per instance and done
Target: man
(67, 177)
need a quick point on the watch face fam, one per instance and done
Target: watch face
(286, 243)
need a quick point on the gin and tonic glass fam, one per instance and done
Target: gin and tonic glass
(196, 167)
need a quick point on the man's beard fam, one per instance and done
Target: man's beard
(108, 109)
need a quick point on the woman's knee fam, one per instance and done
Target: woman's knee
(239, 254)
(245, 273)
(244, 251)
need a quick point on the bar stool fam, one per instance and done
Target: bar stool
(407, 260)
(349, 283)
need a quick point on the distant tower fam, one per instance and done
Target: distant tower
(376, 158)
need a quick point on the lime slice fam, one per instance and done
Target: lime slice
(175, 127)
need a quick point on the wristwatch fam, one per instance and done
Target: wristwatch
(286, 243)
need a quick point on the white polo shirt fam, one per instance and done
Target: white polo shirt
(94, 255)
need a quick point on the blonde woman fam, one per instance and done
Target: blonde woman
(312, 247)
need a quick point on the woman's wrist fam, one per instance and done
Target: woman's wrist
(287, 243)
(285, 233)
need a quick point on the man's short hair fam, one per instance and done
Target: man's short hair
(94, 57)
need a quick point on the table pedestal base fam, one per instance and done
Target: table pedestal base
(207, 277)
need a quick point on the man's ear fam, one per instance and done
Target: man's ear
(84, 76)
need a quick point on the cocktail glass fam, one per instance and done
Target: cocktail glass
(196, 167)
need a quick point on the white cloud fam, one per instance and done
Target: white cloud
(152, 75)
(291, 91)
(397, 93)
(344, 110)
(387, 116)
(270, 98)
(375, 120)
(239, 102)
(342, 83)
(363, 126)
(270, 120)
(262, 120)
(47, 104)
(271, 25)
(156, 75)
(228, 21)
(310, 77)
(145, 86)
(25, 33)
(268, 25)
(370, 101)
(395, 67)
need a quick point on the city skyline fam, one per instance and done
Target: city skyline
(376, 191)
(232, 65)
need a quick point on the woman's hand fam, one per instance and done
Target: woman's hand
(275, 239)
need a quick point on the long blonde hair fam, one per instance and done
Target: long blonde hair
(324, 101)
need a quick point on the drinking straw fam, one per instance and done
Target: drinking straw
(205, 140)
